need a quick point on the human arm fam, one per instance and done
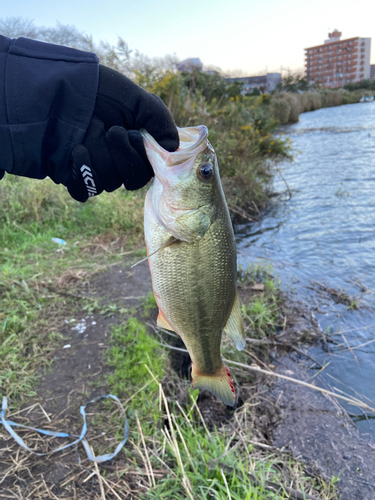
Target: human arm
(60, 111)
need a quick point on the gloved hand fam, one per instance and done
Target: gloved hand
(112, 152)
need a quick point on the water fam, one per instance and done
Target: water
(326, 233)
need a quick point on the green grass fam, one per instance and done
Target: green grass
(31, 314)
(262, 312)
(32, 212)
(132, 348)
(197, 459)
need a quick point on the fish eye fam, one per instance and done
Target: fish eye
(205, 171)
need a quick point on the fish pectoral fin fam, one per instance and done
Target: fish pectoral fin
(169, 242)
(234, 327)
(163, 323)
(220, 384)
(193, 225)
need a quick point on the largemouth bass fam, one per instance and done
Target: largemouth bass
(192, 256)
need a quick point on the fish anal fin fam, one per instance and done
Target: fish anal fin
(163, 323)
(234, 327)
(220, 384)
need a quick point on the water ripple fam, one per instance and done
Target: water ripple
(326, 231)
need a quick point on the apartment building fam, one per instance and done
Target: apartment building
(337, 62)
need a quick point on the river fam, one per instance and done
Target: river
(325, 235)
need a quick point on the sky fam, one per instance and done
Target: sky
(249, 36)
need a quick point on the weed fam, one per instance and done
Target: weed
(257, 273)
(150, 304)
(131, 348)
(261, 313)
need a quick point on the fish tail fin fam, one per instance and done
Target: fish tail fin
(220, 384)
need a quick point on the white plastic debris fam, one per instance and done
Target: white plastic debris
(81, 326)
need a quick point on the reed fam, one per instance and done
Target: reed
(287, 106)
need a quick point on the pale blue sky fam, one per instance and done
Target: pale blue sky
(246, 35)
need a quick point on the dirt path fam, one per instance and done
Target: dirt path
(84, 362)
(71, 382)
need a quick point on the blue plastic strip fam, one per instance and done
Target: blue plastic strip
(8, 424)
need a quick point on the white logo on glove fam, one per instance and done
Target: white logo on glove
(88, 180)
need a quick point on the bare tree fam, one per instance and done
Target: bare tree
(61, 34)
(118, 56)
(235, 73)
(14, 27)
(65, 34)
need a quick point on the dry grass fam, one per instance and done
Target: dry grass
(243, 459)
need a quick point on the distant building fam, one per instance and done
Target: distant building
(372, 71)
(265, 83)
(190, 65)
(338, 62)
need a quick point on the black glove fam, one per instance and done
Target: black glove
(113, 153)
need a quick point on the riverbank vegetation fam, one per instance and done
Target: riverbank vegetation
(294, 95)
(286, 107)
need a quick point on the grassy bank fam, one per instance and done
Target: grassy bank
(31, 265)
(203, 453)
(286, 107)
(182, 444)
(179, 447)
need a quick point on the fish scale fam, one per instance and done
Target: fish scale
(192, 256)
(201, 301)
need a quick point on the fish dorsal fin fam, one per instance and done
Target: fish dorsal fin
(234, 328)
(163, 323)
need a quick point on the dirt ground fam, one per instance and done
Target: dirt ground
(313, 428)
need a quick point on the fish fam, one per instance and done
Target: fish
(192, 256)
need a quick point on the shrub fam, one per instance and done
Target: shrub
(285, 107)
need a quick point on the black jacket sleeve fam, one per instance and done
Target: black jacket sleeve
(47, 98)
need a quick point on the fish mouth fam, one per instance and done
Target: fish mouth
(193, 140)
